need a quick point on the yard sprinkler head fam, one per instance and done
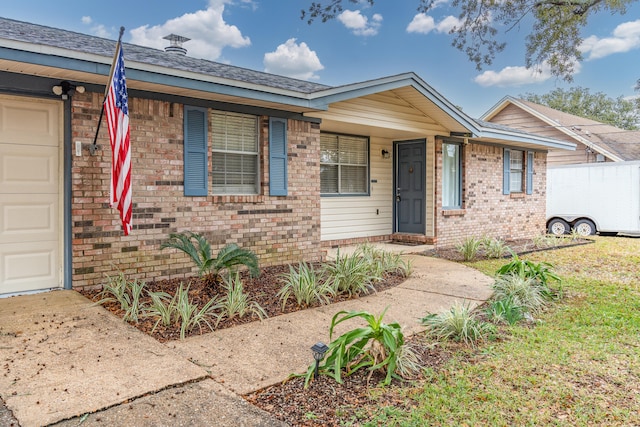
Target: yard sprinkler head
(318, 349)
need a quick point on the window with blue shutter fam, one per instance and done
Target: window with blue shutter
(277, 157)
(506, 172)
(529, 172)
(195, 151)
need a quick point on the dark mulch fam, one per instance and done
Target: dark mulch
(326, 403)
(520, 247)
(262, 289)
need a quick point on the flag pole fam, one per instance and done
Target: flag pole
(94, 147)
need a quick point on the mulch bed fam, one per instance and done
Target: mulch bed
(324, 402)
(327, 403)
(262, 289)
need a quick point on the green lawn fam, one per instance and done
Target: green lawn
(579, 364)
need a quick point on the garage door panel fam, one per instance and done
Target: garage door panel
(39, 119)
(28, 169)
(23, 268)
(30, 198)
(23, 219)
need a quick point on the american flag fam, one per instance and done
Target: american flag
(116, 107)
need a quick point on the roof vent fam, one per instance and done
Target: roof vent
(176, 44)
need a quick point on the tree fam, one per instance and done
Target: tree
(554, 38)
(619, 112)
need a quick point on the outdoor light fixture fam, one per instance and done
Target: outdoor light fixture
(385, 154)
(64, 89)
(318, 349)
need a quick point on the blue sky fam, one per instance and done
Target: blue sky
(362, 44)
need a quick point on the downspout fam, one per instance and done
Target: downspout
(67, 226)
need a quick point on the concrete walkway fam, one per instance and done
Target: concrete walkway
(62, 357)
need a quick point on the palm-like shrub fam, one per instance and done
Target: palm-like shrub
(375, 346)
(199, 250)
(305, 285)
(458, 324)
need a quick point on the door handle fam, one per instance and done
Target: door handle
(398, 198)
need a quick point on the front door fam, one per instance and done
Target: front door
(410, 187)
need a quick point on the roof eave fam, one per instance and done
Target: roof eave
(61, 58)
(534, 141)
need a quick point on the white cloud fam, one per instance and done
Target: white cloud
(360, 24)
(97, 29)
(208, 31)
(293, 60)
(625, 37)
(514, 76)
(424, 24)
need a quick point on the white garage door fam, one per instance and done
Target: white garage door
(30, 193)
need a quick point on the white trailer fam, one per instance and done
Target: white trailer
(594, 197)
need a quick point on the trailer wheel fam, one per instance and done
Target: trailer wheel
(585, 227)
(558, 227)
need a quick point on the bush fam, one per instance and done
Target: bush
(505, 311)
(495, 248)
(236, 302)
(199, 250)
(305, 285)
(384, 262)
(541, 272)
(469, 248)
(352, 274)
(374, 346)
(458, 324)
(118, 289)
(524, 292)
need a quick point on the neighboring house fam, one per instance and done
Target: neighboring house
(284, 167)
(595, 141)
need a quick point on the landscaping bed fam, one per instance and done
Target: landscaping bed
(261, 289)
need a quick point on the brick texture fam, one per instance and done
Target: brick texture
(278, 229)
(486, 211)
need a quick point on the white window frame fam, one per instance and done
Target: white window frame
(245, 146)
(338, 161)
(451, 178)
(516, 171)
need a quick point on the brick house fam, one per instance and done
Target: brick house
(284, 167)
(595, 141)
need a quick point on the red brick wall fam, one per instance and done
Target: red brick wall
(486, 211)
(278, 229)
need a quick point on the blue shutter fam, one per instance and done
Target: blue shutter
(529, 172)
(277, 157)
(506, 172)
(195, 151)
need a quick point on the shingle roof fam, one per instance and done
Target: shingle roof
(54, 37)
(623, 143)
